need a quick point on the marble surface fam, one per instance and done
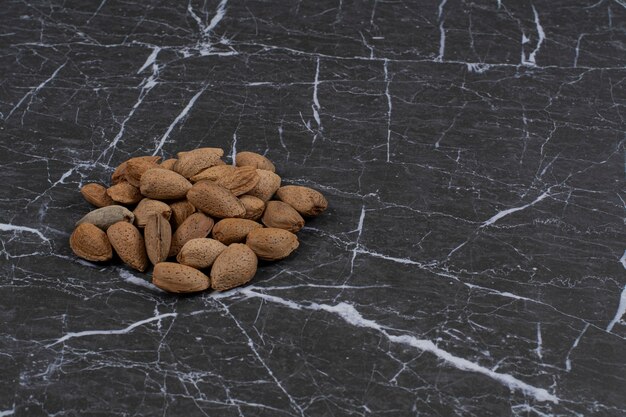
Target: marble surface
(471, 261)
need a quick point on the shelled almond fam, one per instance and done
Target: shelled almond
(201, 223)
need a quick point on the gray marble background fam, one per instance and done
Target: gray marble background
(471, 261)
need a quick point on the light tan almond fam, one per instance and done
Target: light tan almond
(200, 253)
(135, 167)
(307, 201)
(282, 216)
(240, 181)
(181, 209)
(213, 173)
(90, 243)
(271, 244)
(192, 162)
(266, 187)
(230, 231)
(129, 245)
(235, 266)
(124, 193)
(163, 184)
(218, 151)
(215, 200)
(168, 164)
(158, 237)
(255, 160)
(96, 195)
(177, 278)
(195, 226)
(254, 207)
(148, 206)
(106, 216)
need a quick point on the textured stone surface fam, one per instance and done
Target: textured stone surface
(471, 261)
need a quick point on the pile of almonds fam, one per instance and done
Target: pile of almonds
(176, 204)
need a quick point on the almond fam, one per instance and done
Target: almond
(106, 216)
(147, 207)
(135, 167)
(254, 206)
(240, 181)
(163, 184)
(218, 151)
(235, 266)
(271, 244)
(267, 185)
(181, 209)
(305, 200)
(282, 216)
(158, 237)
(213, 173)
(91, 243)
(129, 245)
(168, 164)
(255, 160)
(96, 195)
(195, 226)
(230, 231)
(215, 200)
(192, 162)
(200, 253)
(124, 193)
(119, 174)
(177, 278)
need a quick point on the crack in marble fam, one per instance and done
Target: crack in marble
(32, 92)
(15, 228)
(621, 308)
(293, 403)
(184, 112)
(389, 107)
(352, 316)
(85, 333)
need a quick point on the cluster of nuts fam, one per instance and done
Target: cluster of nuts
(174, 204)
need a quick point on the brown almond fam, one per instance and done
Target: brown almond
(240, 181)
(218, 151)
(215, 200)
(235, 266)
(282, 216)
(267, 185)
(306, 201)
(119, 174)
(213, 173)
(96, 195)
(177, 278)
(147, 207)
(254, 207)
(90, 243)
(106, 216)
(271, 244)
(230, 231)
(195, 226)
(255, 160)
(158, 237)
(200, 253)
(135, 167)
(168, 164)
(163, 184)
(128, 243)
(124, 193)
(181, 209)
(192, 162)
